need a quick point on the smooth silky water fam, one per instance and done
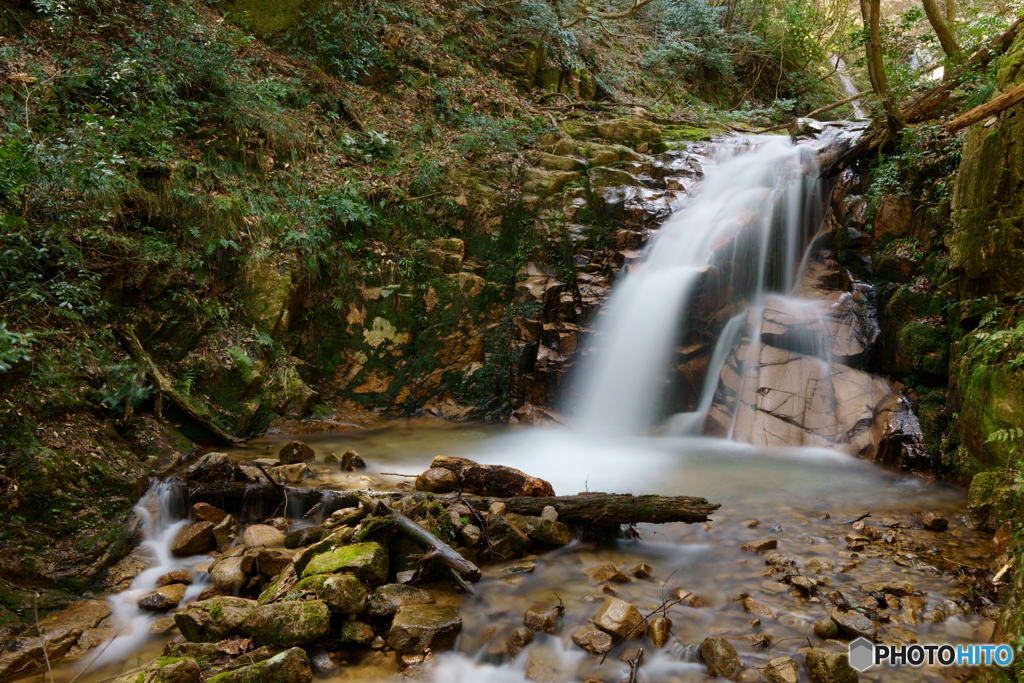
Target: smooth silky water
(803, 497)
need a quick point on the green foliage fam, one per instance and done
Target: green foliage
(125, 388)
(921, 166)
(14, 347)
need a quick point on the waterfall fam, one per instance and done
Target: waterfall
(740, 241)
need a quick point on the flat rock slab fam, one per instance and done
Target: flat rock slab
(368, 561)
(418, 628)
(212, 620)
(163, 598)
(60, 633)
(619, 618)
(193, 539)
(387, 600)
(287, 624)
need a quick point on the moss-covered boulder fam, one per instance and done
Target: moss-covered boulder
(290, 666)
(367, 561)
(993, 497)
(418, 628)
(344, 594)
(268, 18)
(289, 623)
(163, 670)
(214, 619)
(922, 352)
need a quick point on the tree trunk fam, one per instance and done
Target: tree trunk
(950, 11)
(599, 509)
(990, 108)
(872, 12)
(946, 38)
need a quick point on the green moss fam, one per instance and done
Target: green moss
(923, 352)
(368, 561)
(267, 18)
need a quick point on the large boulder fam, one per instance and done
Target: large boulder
(289, 623)
(492, 480)
(368, 561)
(193, 539)
(295, 451)
(60, 633)
(387, 600)
(342, 593)
(290, 666)
(214, 619)
(418, 628)
(263, 535)
(163, 670)
(227, 575)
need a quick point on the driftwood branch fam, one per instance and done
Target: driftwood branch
(822, 110)
(165, 387)
(599, 509)
(990, 108)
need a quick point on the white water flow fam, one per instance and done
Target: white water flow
(739, 241)
(849, 86)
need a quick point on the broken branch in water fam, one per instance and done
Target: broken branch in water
(634, 665)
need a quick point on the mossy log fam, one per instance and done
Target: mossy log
(598, 509)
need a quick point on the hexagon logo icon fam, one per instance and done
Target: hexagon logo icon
(862, 654)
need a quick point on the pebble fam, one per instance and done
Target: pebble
(760, 546)
(933, 522)
(549, 514)
(782, 670)
(519, 639)
(540, 621)
(592, 639)
(497, 509)
(659, 630)
(758, 608)
(175, 576)
(642, 571)
(826, 629)
(751, 523)
(607, 573)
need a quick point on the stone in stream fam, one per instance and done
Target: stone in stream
(320, 662)
(291, 474)
(163, 670)
(543, 530)
(760, 546)
(342, 593)
(192, 650)
(607, 573)
(642, 571)
(288, 623)
(933, 522)
(292, 666)
(518, 640)
(227, 574)
(295, 451)
(355, 633)
(163, 598)
(207, 513)
(547, 666)
(506, 540)
(852, 624)
(267, 561)
(826, 629)
(263, 535)
(900, 588)
(368, 561)
(470, 535)
(549, 513)
(539, 620)
(212, 620)
(826, 666)
(175, 576)
(659, 630)
(721, 658)
(352, 461)
(759, 608)
(418, 628)
(388, 599)
(193, 539)
(60, 632)
(225, 532)
(620, 619)
(437, 480)
(592, 639)
(782, 670)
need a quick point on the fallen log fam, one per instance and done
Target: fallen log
(599, 509)
(990, 108)
(164, 387)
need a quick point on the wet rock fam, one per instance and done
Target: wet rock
(175, 576)
(295, 451)
(540, 621)
(332, 458)
(193, 539)
(913, 605)
(549, 513)
(288, 623)
(207, 513)
(437, 480)
(470, 535)
(212, 620)
(760, 546)
(320, 662)
(342, 593)
(805, 584)
(606, 573)
(592, 639)
(292, 665)
(826, 666)
(782, 670)
(899, 588)
(368, 561)
(418, 628)
(506, 540)
(225, 532)
(163, 670)
(352, 461)
(852, 624)
(779, 560)
(721, 658)
(163, 598)
(751, 523)
(227, 574)
(492, 480)
(826, 629)
(659, 630)
(388, 599)
(547, 666)
(619, 618)
(192, 650)
(518, 640)
(933, 522)
(60, 633)
(290, 474)
(355, 633)
(263, 535)
(161, 626)
(543, 530)
(268, 561)
(760, 609)
(642, 571)
(497, 508)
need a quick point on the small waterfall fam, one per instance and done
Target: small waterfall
(849, 87)
(740, 240)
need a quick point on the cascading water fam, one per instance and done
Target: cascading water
(739, 241)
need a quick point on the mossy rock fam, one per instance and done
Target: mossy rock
(268, 18)
(993, 497)
(367, 561)
(287, 624)
(922, 352)
(214, 619)
(290, 666)
(989, 400)
(163, 670)
(344, 594)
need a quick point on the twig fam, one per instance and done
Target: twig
(864, 516)
(663, 606)
(98, 654)
(396, 474)
(634, 664)
(46, 655)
